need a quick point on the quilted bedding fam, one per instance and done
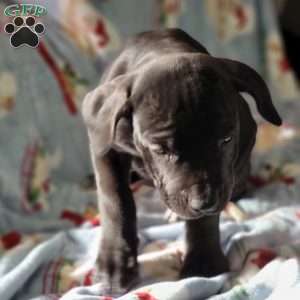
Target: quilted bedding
(49, 224)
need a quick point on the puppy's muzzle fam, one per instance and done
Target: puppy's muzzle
(194, 202)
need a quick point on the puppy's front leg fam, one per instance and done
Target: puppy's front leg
(118, 250)
(204, 256)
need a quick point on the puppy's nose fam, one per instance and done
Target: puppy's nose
(196, 205)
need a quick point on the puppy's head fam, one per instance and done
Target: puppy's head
(181, 115)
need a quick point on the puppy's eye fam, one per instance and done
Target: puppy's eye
(226, 140)
(159, 150)
(164, 152)
(172, 157)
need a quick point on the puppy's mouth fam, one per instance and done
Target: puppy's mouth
(188, 214)
(191, 215)
(183, 208)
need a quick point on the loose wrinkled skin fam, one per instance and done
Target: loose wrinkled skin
(173, 113)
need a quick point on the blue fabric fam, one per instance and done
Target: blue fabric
(48, 220)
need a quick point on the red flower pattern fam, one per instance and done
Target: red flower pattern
(284, 65)
(241, 15)
(100, 30)
(88, 278)
(263, 257)
(59, 76)
(11, 239)
(95, 221)
(72, 216)
(145, 296)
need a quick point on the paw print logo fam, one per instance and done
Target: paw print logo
(24, 31)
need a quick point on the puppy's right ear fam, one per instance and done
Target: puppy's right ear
(102, 109)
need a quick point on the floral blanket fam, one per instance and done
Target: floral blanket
(49, 223)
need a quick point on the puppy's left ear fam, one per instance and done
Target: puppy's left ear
(103, 108)
(246, 79)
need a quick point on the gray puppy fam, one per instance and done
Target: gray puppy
(173, 113)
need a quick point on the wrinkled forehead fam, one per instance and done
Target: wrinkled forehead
(182, 130)
(182, 100)
(181, 121)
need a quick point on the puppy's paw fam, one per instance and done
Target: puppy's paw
(115, 284)
(117, 272)
(109, 287)
(204, 265)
